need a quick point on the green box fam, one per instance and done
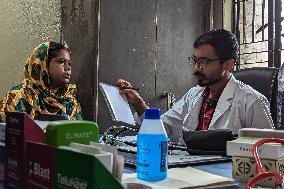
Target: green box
(84, 171)
(62, 133)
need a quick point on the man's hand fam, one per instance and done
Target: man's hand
(132, 96)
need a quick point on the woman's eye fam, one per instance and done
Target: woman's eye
(65, 62)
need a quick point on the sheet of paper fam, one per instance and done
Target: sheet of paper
(179, 178)
(117, 104)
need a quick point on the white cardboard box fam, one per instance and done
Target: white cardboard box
(243, 147)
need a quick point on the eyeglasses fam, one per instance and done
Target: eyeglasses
(260, 172)
(201, 62)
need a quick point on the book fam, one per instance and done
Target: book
(180, 178)
(19, 128)
(117, 104)
(243, 147)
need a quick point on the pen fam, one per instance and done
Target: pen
(133, 88)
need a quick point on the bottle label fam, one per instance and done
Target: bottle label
(151, 156)
(164, 151)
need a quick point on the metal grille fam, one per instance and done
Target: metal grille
(257, 25)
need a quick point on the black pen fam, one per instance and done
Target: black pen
(132, 88)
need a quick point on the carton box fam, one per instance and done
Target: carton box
(244, 168)
(243, 147)
(62, 133)
(83, 171)
(62, 168)
(40, 166)
(2, 160)
(19, 129)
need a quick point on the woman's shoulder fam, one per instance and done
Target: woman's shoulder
(16, 90)
(18, 87)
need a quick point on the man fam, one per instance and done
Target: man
(219, 101)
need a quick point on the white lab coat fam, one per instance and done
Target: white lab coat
(239, 106)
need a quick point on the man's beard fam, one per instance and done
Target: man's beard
(201, 84)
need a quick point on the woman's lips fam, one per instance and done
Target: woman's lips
(67, 75)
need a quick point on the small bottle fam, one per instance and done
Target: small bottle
(152, 147)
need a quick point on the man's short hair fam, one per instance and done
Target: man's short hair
(224, 43)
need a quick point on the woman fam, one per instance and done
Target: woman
(46, 88)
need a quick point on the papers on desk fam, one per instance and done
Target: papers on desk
(179, 178)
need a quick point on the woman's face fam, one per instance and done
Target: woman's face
(60, 69)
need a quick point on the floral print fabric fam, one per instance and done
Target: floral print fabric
(33, 95)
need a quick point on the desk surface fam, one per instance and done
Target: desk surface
(222, 169)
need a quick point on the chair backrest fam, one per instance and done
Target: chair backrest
(264, 80)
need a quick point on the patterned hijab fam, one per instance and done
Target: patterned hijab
(33, 95)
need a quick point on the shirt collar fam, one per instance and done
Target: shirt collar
(206, 93)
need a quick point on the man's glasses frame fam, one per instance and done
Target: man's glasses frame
(202, 62)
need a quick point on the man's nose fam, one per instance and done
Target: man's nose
(196, 67)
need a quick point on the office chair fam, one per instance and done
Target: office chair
(265, 81)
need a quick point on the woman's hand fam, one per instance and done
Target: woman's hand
(132, 96)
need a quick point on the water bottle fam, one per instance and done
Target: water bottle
(152, 147)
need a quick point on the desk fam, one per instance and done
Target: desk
(221, 169)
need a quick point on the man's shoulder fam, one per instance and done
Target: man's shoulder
(243, 89)
(195, 90)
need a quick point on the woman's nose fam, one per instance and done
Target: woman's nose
(67, 66)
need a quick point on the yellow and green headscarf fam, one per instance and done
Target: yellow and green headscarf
(33, 95)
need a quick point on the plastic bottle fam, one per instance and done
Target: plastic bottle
(152, 147)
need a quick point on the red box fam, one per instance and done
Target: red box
(40, 166)
(19, 129)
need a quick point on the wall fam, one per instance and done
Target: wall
(24, 25)
(148, 43)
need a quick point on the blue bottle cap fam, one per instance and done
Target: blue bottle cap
(152, 113)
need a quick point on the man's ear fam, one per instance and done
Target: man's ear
(229, 65)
